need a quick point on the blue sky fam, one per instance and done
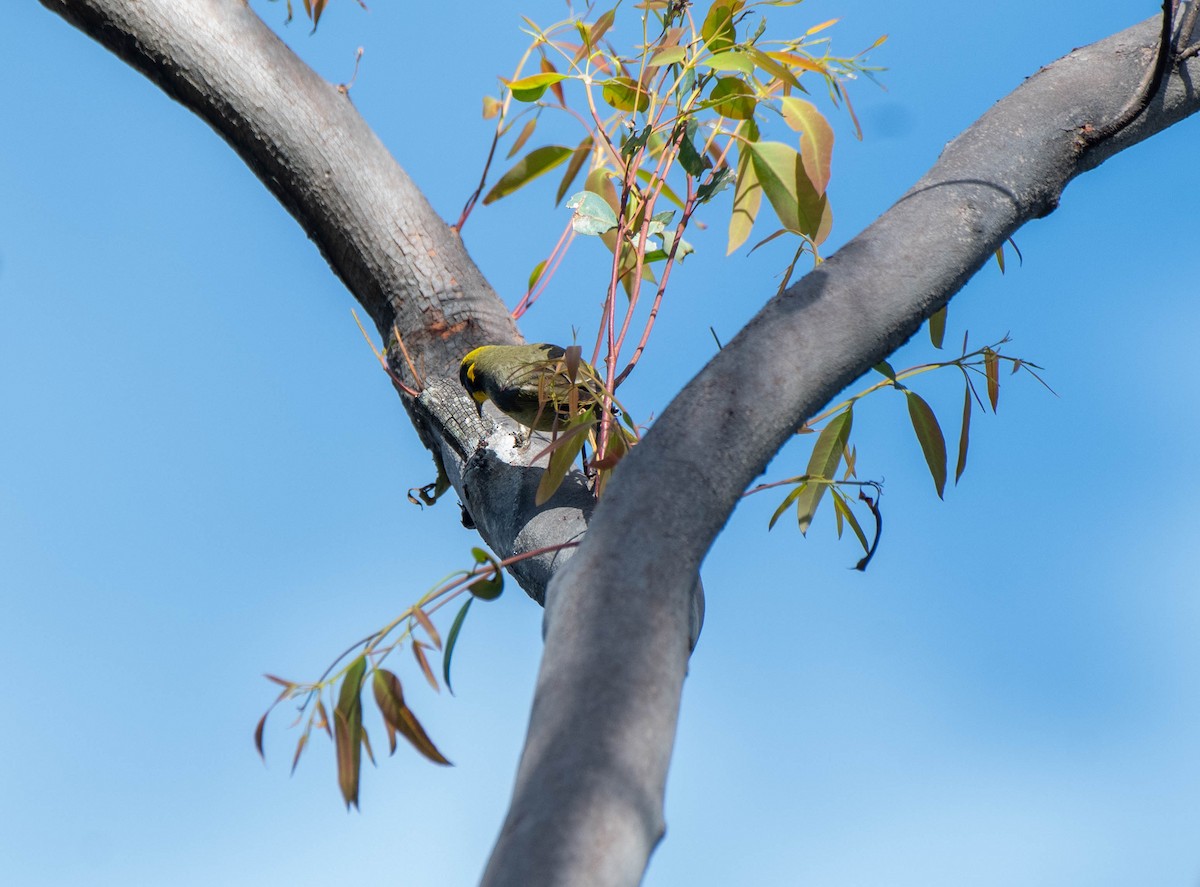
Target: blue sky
(202, 478)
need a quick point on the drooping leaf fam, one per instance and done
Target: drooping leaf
(563, 451)
(937, 327)
(929, 435)
(533, 87)
(390, 698)
(451, 640)
(537, 162)
(258, 736)
(780, 171)
(347, 731)
(885, 369)
(491, 107)
(592, 214)
(823, 463)
(964, 435)
(1000, 257)
(418, 649)
(786, 503)
(747, 197)
(991, 369)
(526, 132)
(547, 67)
(842, 507)
(578, 158)
(692, 161)
(487, 589)
(816, 143)
(426, 623)
(732, 98)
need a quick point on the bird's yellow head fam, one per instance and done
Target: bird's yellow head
(467, 376)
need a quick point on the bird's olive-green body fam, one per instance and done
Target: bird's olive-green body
(528, 383)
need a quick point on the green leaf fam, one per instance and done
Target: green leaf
(535, 275)
(390, 698)
(780, 171)
(885, 369)
(537, 162)
(451, 640)
(720, 180)
(929, 434)
(533, 87)
(747, 198)
(563, 451)
(578, 157)
(785, 504)
(348, 731)
(731, 60)
(672, 55)
(732, 98)
(964, 434)
(625, 94)
(718, 31)
(844, 511)
(693, 162)
(592, 215)
(823, 463)
(937, 327)
(774, 68)
(487, 589)
(816, 145)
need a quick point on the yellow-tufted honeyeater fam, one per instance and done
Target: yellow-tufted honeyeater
(539, 386)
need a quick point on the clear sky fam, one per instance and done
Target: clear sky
(202, 478)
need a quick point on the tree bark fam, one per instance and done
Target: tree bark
(587, 807)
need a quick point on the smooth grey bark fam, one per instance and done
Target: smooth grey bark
(587, 807)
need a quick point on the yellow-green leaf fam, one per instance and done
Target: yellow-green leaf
(747, 197)
(929, 435)
(487, 589)
(625, 94)
(718, 31)
(672, 55)
(731, 60)
(563, 451)
(816, 145)
(781, 173)
(535, 163)
(823, 464)
(533, 87)
(733, 99)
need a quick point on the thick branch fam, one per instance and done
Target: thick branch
(588, 802)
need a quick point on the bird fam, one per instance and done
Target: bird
(538, 386)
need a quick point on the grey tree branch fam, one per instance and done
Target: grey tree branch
(587, 807)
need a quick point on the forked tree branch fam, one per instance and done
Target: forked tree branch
(587, 807)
